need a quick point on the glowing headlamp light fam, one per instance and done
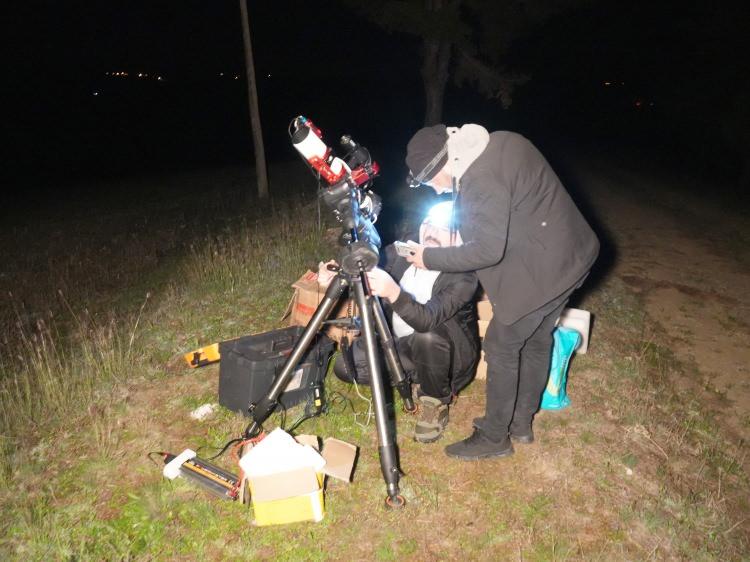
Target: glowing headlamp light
(440, 215)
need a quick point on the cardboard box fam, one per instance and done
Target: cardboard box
(484, 313)
(287, 497)
(307, 296)
(484, 310)
(305, 507)
(481, 373)
(340, 457)
(286, 488)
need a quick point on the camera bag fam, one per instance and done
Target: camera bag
(250, 364)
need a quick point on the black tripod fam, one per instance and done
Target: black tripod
(372, 319)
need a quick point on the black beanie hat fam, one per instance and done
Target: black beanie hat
(422, 149)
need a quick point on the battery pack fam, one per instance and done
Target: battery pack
(250, 364)
(203, 356)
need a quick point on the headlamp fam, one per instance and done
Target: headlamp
(416, 181)
(440, 215)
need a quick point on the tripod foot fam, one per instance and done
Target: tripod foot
(395, 502)
(410, 407)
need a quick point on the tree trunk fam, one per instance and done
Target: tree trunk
(437, 56)
(435, 77)
(252, 91)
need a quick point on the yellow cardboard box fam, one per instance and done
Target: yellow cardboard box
(288, 496)
(306, 507)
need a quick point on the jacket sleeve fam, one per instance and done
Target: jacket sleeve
(489, 214)
(457, 291)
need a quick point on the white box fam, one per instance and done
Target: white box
(481, 373)
(579, 320)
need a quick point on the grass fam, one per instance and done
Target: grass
(95, 381)
(73, 373)
(49, 379)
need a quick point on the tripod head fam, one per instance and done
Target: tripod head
(347, 192)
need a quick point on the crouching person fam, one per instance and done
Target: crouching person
(433, 320)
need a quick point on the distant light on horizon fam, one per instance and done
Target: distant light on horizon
(142, 75)
(161, 78)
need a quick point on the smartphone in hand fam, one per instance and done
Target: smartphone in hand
(403, 249)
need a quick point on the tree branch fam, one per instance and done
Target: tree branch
(494, 83)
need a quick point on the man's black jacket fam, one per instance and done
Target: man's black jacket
(451, 305)
(522, 233)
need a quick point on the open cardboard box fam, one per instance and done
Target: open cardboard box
(484, 315)
(307, 296)
(287, 496)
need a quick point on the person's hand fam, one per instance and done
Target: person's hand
(383, 285)
(416, 257)
(324, 274)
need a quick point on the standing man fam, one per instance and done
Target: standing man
(530, 247)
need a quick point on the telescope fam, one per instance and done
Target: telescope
(345, 190)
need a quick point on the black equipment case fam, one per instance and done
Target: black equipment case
(249, 365)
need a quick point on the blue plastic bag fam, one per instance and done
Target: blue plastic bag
(566, 341)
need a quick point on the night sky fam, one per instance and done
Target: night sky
(650, 76)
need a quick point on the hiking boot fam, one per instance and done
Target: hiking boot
(478, 446)
(433, 417)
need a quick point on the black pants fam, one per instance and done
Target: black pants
(426, 357)
(518, 360)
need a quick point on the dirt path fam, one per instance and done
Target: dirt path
(690, 261)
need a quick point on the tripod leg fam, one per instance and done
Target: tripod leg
(400, 381)
(263, 408)
(386, 445)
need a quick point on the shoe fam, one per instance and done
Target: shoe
(433, 417)
(524, 436)
(478, 446)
